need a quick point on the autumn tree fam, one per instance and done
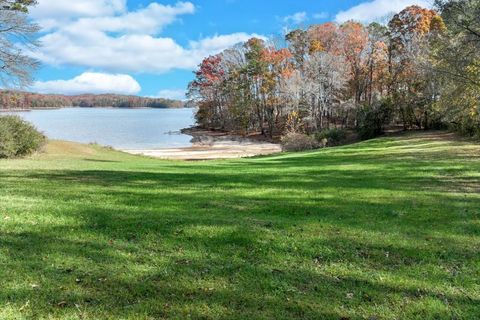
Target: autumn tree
(413, 83)
(278, 69)
(324, 38)
(256, 70)
(354, 39)
(317, 83)
(299, 45)
(457, 59)
(349, 75)
(206, 91)
(376, 63)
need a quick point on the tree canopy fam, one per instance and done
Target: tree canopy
(349, 75)
(17, 5)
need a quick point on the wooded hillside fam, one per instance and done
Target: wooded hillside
(27, 100)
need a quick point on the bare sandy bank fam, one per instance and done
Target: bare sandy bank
(209, 145)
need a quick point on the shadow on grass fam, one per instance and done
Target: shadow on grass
(327, 235)
(100, 160)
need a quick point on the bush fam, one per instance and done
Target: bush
(466, 126)
(298, 142)
(372, 119)
(332, 137)
(18, 138)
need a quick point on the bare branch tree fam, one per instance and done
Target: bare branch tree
(17, 5)
(17, 35)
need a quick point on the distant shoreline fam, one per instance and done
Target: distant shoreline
(120, 108)
(27, 110)
(12, 99)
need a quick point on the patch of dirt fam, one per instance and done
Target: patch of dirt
(209, 145)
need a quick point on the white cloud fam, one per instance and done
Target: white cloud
(121, 41)
(220, 42)
(47, 9)
(50, 13)
(130, 52)
(296, 18)
(174, 94)
(90, 82)
(321, 15)
(145, 21)
(377, 9)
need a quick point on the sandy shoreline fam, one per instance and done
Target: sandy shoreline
(209, 145)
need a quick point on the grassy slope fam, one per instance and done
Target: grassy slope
(382, 229)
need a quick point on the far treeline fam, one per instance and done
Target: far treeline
(26, 100)
(17, 69)
(420, 71)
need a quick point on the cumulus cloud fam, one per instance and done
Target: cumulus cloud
(377, 9)
(47, 9)
(321, 15)
(118, 40)
(130, 52)
(149, 20)
(296, 18)
(51, 13)
(218, 43)
(174, 94)
(90, 82)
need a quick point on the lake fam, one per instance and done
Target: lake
(120, 128)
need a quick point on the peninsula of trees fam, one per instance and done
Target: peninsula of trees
(15, 100)
(419, 71)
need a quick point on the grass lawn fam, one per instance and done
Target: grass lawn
(383, 229)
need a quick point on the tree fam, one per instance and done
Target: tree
(356, 76)
(278, 68)
(413, 83)
(299, 45)
(457, 59)
(16, 5)
(324, 37)
(354, 39)
(205, 89)
(16, 35)
(255, 70)
(377, 63)
(327, 78)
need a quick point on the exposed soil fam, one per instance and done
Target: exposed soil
(209, 145)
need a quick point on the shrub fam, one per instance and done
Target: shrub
(298, 142)
(466, 126)
(333, 137)
(18, 138)
(372, 119)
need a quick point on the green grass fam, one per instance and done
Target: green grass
(383, 229)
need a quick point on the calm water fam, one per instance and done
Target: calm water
(119, 128)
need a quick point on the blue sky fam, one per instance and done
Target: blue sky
(150, 48)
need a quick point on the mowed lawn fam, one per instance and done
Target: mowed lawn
(383, 229)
